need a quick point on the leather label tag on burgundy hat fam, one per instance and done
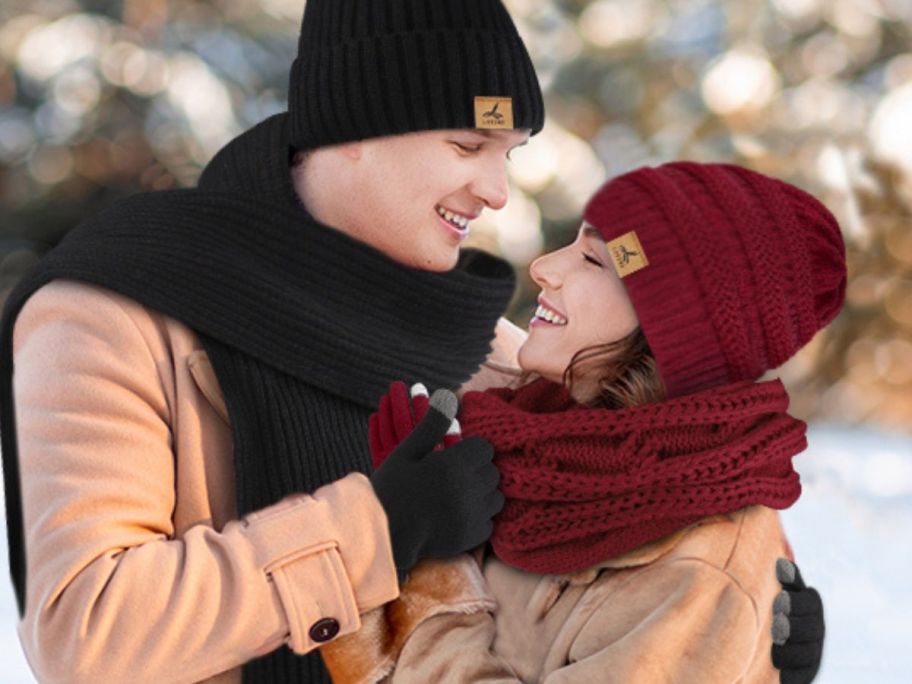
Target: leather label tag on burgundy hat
(493, 112)
(627, 254)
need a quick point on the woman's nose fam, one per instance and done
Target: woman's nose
(544, 272)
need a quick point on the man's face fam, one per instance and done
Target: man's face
(414, 196)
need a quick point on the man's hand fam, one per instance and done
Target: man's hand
(798, 627)
(439, 501)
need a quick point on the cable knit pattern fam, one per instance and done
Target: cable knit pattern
(743, 269)
(583, 484)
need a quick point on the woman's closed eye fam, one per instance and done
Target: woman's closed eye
(592, 260)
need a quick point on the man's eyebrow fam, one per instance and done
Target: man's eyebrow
(592, 232)
(491, 135)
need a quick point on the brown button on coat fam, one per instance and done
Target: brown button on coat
(138, 570)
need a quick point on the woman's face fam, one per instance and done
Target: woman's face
(582, 304)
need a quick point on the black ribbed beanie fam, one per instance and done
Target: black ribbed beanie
(371, 68)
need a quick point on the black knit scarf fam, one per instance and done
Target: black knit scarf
(305, 327)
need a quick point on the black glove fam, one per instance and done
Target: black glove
(438, 503)
(798, 627)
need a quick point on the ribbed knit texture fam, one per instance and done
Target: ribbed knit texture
(743, 269)
(305, 326)
(583, 485)
(385, 67)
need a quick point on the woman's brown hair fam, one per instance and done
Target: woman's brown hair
(619, 374)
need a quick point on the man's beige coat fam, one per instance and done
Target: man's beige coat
(137, 568)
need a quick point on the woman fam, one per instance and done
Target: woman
(643, 463)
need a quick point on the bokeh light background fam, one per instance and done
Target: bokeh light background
(101, 99)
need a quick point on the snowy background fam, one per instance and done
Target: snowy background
(851, 531)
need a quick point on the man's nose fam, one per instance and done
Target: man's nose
(492, 188)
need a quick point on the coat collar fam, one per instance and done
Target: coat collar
(643, 555)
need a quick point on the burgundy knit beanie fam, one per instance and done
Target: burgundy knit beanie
(730, 272)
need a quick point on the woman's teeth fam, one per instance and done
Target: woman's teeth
(460, 222)
(550, 316)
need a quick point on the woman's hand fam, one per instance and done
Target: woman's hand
(399, 413)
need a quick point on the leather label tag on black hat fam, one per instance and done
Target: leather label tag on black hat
(493, 112)
(627, 254)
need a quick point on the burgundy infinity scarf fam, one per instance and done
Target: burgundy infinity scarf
(584, 484)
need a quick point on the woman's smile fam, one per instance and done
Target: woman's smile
(548, 315)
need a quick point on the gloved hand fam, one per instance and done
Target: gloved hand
(399, 413)
(439, 502)
(798, 627)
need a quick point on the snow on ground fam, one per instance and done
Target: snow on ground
(852, 534)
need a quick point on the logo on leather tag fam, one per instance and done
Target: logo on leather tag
(627, 254)
(493, 112)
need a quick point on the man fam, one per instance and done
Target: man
(194, 369)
